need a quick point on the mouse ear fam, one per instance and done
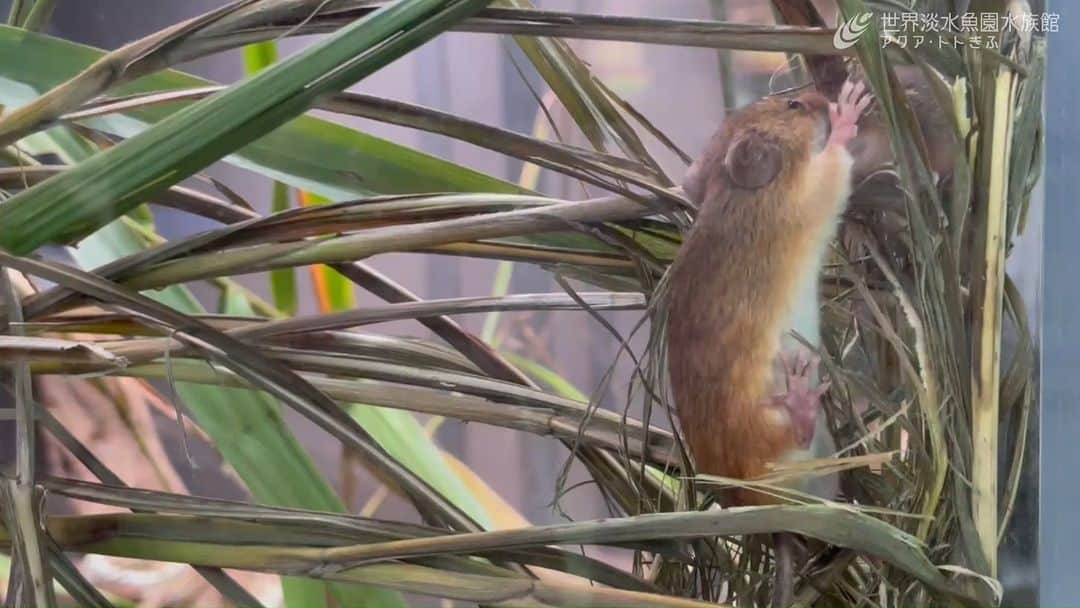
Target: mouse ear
(753, 160)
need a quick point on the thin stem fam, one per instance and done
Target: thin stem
(39, 15)
(366, 243)
(258, 305)
(37, 587)
(723, 58)
(986, 373)
(500, 287)
(18, 12)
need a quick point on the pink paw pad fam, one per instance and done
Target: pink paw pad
(799, 397)
(845, 112)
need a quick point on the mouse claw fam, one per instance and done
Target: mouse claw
(863, 103)
(799, 362)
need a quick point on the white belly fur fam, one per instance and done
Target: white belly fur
(805, 320)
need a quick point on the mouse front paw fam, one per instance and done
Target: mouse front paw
(845, 112)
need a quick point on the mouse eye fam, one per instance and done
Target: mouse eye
(795, 104)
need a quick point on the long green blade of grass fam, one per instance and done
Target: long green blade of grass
(113, 182)
(309, 153)
(258, 57)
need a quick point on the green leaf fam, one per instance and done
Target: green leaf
(283, 280)
(258, 57)
(335, 292)
(549, 377)
(400, 434)
(112, 182)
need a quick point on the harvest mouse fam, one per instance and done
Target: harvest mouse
(771, 187)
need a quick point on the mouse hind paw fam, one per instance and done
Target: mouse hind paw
(798, 395)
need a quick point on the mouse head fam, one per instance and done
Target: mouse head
(759, 141)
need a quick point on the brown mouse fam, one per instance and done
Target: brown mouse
(771, 187)
(871, 147)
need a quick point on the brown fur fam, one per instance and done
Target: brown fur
(733, 284)
(871, 148)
